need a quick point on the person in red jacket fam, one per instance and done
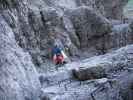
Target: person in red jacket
(57, 56)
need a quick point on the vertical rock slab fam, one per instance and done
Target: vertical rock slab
(18, 76)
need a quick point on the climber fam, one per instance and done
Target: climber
(57, 55)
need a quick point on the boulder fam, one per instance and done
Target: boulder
(89, 73)
(101, 66)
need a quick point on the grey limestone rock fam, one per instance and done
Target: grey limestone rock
(98, 67)
(88, 23)
(28, 28)
(18, 76)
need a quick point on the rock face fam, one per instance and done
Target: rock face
(18, 76)
(88, 24)
(114, 9)
(28, 28)
(38, 25)
(109, 8)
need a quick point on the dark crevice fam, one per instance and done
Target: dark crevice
(79, 37)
